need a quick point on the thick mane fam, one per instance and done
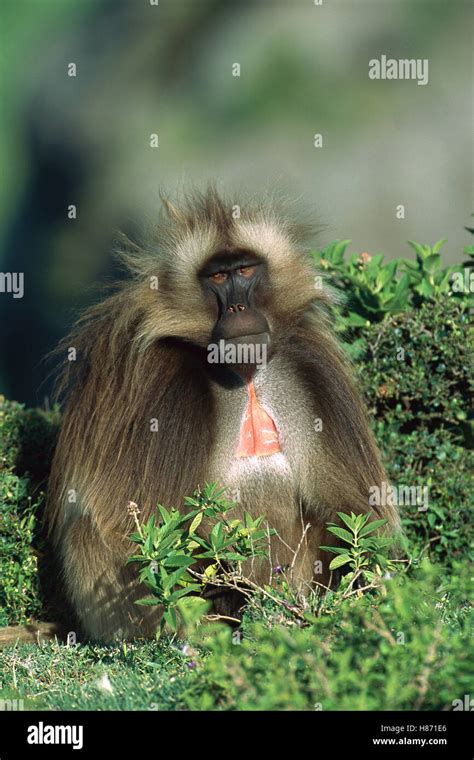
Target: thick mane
(200, 223)
(349, 442)
(121, 452)
(131, 368)
(147, 419)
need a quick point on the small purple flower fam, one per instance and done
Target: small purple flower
(277, 570)
(191, 664)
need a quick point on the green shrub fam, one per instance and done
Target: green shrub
(27, 439)
(416, 375)
(169, 546)
(407, 646)
(372, 291)
(406, 325)
(406, 649)
(19, 588)
(26, 443)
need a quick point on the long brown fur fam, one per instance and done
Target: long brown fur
(138, 360)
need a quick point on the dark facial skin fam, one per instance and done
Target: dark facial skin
(231, 282)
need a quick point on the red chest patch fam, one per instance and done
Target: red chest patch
(258, 434)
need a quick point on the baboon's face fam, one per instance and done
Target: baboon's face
(238, 284)
(234, 285)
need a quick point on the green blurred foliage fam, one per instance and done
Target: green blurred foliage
(168, 69)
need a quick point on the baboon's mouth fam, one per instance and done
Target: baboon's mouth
(245, 352)
(262, 339)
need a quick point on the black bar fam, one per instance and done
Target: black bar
(150, 734)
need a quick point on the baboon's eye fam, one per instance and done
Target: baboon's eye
(247, 271)
(218, 277)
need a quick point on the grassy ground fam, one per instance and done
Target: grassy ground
(403, 647)
(138, 676)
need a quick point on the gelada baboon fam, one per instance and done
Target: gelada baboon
(213, 362)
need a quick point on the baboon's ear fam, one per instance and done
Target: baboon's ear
(173, 212)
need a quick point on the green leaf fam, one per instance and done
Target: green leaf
(339, 561)
(136, 558)
(349, 521)
(338, 250)
(371, 526)
(174, 577)
(341, 533)
(425, 289)
(410, 264)
(233, 557)
(165, 515)
(437, 246)
(421, 250)
(192, 608)
(432, 262)
(356, 320)
(360, 520)
(182, 592)
(147, 601)
(216, 536)
(384, 277)
(195, 523)
(375, 263)
(170, 617)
